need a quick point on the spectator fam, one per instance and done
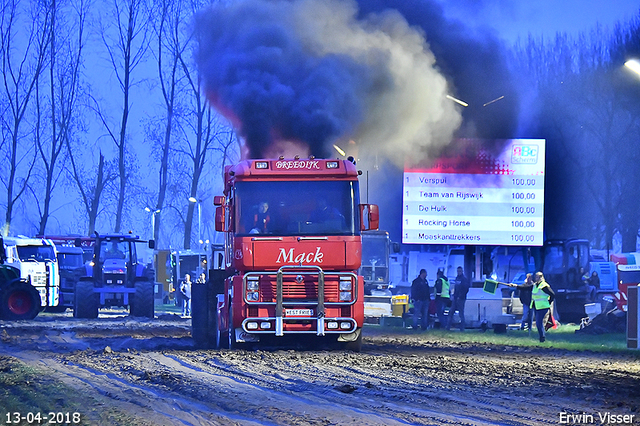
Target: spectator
(461, 289)
(443, 299)
(525, 297)
(541, 297)
(421, 296)
(185, 290)
(591, 286)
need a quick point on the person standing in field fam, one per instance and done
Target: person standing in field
(541, 297)
(461, 289)
(421, 296)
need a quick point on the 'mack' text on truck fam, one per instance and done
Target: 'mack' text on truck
(292, 251)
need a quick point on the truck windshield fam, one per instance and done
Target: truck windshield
(70, 260)
(296, 208)
(37, 253)
(114, 250)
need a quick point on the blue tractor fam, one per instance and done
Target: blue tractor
(115, 278)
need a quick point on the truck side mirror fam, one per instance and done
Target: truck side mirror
(218, 200)
(152, 244)
(220, 219)
(369, 217)
(396, 247)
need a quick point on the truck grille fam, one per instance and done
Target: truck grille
(291, 290)
(302, 287)
(39, 279)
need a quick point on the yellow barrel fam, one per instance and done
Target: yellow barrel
(399, 304)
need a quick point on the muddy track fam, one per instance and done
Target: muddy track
(151, 371)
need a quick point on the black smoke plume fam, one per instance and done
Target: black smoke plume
(321, 72)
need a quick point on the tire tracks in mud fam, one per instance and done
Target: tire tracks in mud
(157, 379)
(413, 399)
(144, 405)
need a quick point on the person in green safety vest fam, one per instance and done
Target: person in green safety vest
(443, 298)
(541, 297)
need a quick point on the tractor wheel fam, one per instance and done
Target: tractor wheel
(86, 301)
(20, 301)
(142, 303)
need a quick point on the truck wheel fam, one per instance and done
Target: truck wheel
(86, 301)
(142, 303)
(356, 345)
(227, 336)
(204, 316)
(20, 301)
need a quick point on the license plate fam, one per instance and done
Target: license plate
(298, 312)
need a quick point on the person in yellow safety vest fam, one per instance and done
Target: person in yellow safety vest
(541, 297)
(443, 298)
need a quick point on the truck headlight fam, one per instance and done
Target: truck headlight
(345, 296)
(253, 296)
(345, 285)
(252, 285)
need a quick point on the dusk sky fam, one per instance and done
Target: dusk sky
(509, 19)
(517, 19)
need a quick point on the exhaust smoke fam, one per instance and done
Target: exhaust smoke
(316, 72)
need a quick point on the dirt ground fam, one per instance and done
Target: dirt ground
(129, 371)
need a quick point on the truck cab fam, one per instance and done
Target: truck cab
(71, 266)
(292, 252)
(36, 260)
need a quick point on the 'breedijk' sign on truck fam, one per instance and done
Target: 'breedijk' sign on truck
(477, 197)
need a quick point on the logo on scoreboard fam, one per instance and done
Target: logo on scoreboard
(524, 154)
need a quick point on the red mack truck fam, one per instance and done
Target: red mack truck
(292, 250)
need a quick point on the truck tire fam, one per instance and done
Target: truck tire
(204, 316)
(20, 301)
(227, 337)
(142, 303)
(86, 301)
(355, 345)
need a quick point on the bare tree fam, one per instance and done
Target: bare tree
(64, 81)
(92, 188)
(22, 67)
(202, 132)
(172, 39)
(126, 50)
(585, 112)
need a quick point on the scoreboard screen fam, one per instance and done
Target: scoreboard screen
(477, 197)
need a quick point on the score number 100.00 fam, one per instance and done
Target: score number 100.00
(523, 238)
